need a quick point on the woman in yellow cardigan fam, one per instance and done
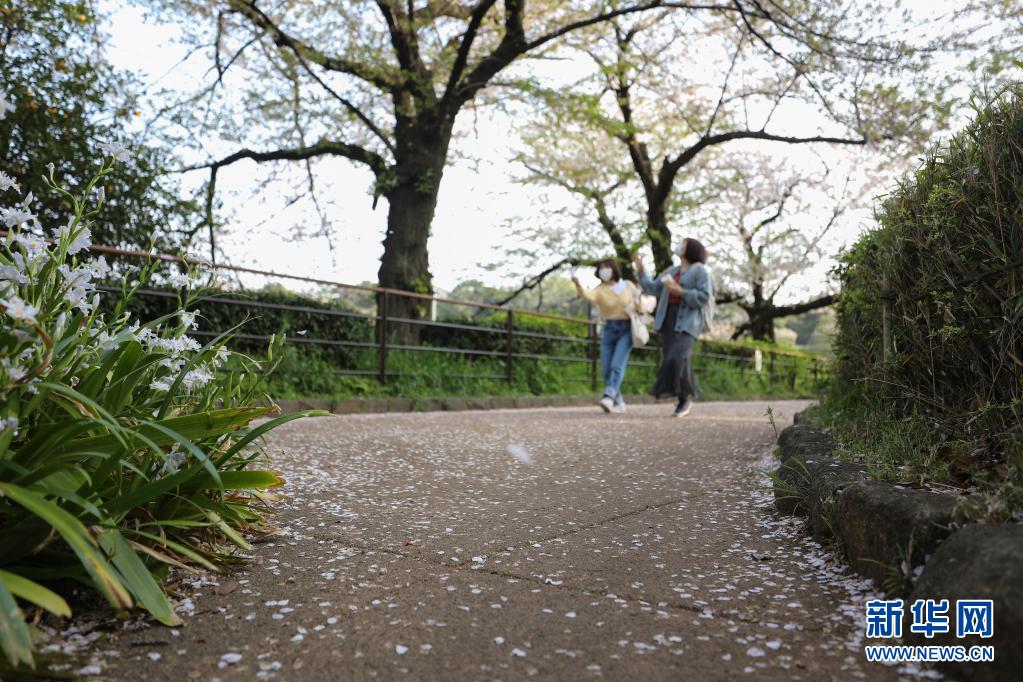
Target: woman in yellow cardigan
(613, 296)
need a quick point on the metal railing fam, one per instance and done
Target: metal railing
(508, 348)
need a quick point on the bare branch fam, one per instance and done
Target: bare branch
(373, 74)
(375, 162)
(537, 279)
(462, 58)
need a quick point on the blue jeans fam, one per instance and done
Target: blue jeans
(615, 346)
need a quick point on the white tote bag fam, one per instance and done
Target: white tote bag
(640, 333)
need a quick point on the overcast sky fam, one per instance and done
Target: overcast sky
(479, 200)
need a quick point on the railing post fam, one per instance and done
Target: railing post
(382, 336)
(886, 324)
(509, 358)
(594, 352)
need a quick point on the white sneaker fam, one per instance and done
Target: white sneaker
(606, 404)
(619, 408)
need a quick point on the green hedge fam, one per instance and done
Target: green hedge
(303, 319)
(948, 256)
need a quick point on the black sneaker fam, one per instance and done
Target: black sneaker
(683, 407)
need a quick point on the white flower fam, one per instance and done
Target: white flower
(15, 217)
(16, 373)
(172, 364)
(221, 356)
(189, 319)
(105, 341)
(34, 246)
(12, 274)
(82, 240)
(163, 384)
(5, 106)
(197, 378)
(99, 267)
(80, 278)
(115, 150)
(175, 458)
(75, 298)
(188, 343)
(178, 281)
(19, 310)
(50, 168)
(9, 423)
(7, 182)
(102, 194)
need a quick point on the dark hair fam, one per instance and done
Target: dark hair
(616, 272)
(694, 252)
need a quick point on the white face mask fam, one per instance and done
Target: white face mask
(604, 274)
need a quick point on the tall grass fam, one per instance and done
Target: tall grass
(946, 261)
(121, 453)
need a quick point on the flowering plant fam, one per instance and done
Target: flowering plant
(121, 451)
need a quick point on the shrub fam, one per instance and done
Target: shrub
(121, 453)
(947, 255)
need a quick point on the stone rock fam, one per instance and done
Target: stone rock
(804, 452)
(807, 417)
(830, 478)
(980, 562)
(806, 485)
(454, 404)
(879, 523)
(801, 441)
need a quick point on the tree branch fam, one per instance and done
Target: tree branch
(462, 58)
(513, 45)
(375, 162)
(371, 74)
(671, 167)
(775, 312)
(537, 279)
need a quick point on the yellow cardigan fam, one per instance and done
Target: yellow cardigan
(612, 306)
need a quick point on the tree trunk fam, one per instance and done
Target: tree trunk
(762, 327)
(412, 202)
(660, 236)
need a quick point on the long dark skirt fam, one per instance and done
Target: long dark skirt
(675, 378)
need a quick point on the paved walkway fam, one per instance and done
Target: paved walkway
(420, 546)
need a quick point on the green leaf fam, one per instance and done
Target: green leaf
(177, 547)
(137, 577)
(15, 638)
(150, 491)
(264, 428)
(227, 530)
(238, 480)
(77, 537)
(191, 427)
(37, 594)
